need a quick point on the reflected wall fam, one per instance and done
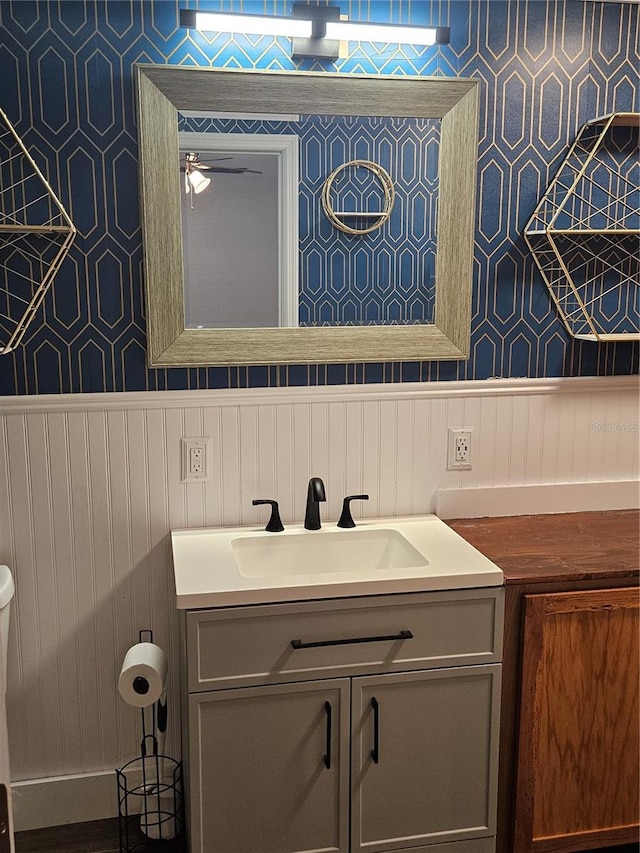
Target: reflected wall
(385, 277)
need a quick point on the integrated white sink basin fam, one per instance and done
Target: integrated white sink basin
(244, 565)
(372, 549)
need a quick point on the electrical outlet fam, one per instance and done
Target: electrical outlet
(459, 449)
(195, 460)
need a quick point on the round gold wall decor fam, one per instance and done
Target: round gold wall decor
(336, 217)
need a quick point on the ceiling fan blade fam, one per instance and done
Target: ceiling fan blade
(230, 170)
(225, 170)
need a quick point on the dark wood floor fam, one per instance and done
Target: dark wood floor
(101, 836)
(96, 836)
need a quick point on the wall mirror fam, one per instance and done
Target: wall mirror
(165, 93)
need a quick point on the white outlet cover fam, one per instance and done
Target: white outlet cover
(452, 463)
(188, 444)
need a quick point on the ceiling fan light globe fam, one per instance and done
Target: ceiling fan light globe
(198, 181)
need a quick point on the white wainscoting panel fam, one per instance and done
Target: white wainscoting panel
(90, 486)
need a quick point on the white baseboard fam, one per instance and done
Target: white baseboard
(64, 799)
(484, 502)
(59, 800)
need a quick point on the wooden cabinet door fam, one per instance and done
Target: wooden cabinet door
(269, 769)
(577, 779)
(424, 759)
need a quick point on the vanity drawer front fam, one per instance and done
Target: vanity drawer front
(239, 646)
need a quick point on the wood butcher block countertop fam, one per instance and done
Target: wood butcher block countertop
(564, 547)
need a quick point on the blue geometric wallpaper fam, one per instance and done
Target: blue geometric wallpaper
(66, 84)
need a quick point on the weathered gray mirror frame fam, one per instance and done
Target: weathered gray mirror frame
(163, 90)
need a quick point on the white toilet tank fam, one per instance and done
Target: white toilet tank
(6, 594)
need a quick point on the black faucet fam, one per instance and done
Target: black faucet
(315, 496)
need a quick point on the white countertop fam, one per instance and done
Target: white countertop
(207, 574)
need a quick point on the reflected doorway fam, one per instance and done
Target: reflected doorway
(240, 231)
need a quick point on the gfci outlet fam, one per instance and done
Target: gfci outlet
(195, 459)
(459, 450)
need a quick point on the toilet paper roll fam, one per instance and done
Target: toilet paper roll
(143, 675)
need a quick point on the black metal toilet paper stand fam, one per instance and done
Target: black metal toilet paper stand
(150, 791)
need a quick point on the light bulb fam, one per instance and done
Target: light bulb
(198, 181)
(267, 25)
(353, 31)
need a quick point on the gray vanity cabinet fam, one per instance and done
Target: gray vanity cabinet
(271, 771)
(351, 725)
(423, 759)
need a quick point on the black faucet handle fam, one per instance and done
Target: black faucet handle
(274, 525)
(346, 519)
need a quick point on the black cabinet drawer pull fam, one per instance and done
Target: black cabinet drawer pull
(327, 755)
(401, 635)
(375, 752)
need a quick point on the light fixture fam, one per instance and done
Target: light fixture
(198, 181)
(352, 31)
(316, 30)
(194, 180)
(232, 22)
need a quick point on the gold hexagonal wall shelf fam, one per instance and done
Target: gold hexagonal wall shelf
(585, 231)
(36, 233)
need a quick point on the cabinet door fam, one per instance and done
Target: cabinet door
(425, 754)
(577, 780)
(269, 769)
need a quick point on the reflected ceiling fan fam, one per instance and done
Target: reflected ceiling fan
(194, 179)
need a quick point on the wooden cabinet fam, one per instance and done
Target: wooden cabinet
(398, 753)
(569, 726)
(578, 746)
